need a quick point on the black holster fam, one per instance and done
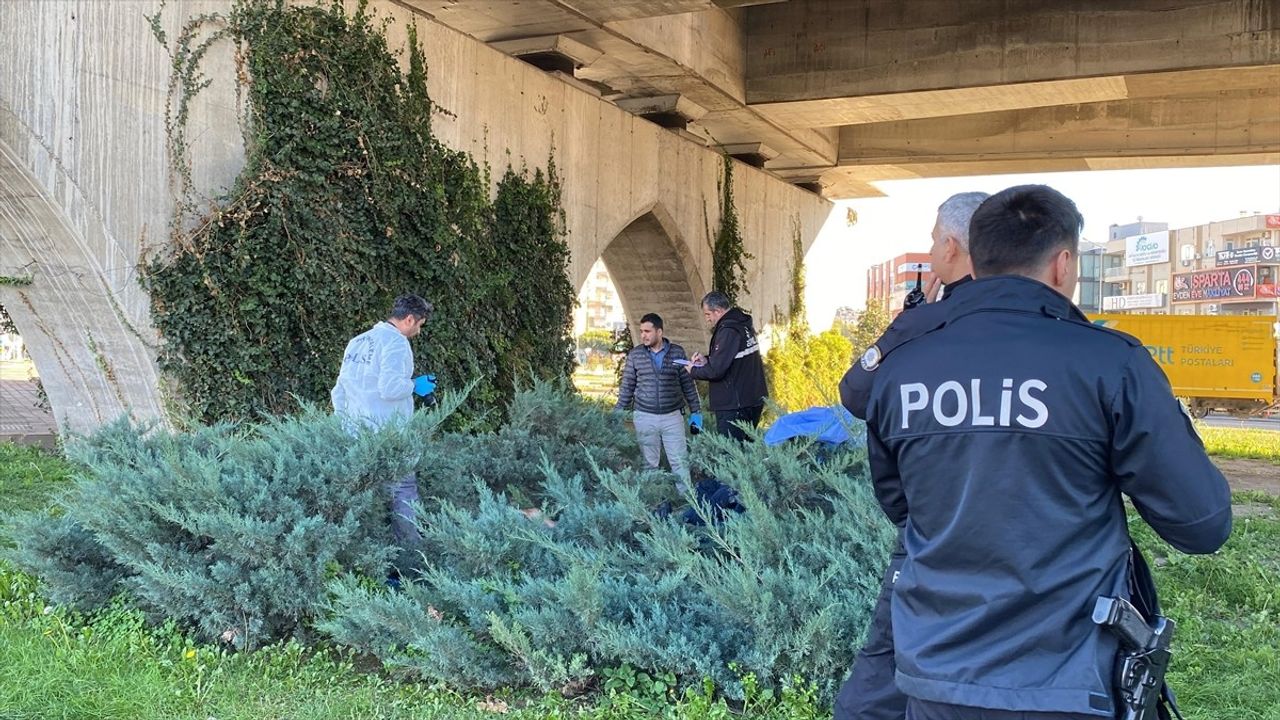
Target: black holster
(1142, 591)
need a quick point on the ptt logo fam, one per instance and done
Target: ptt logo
(1162, 355)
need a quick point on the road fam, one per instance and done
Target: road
(1253, 423)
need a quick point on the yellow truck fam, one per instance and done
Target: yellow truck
(1214, 362)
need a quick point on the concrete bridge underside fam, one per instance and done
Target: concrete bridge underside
(838, 94)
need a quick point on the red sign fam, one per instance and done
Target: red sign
(1266, 291)
(1273, 221)
(1223, 284)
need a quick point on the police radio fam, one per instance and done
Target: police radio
(916, 296)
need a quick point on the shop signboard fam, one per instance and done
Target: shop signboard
(1222, 284)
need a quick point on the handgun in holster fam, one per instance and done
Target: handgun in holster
(1141, 692)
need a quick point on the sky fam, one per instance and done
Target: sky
(836, 265)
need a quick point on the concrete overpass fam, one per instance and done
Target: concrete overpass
(837, 94)
(815, 98)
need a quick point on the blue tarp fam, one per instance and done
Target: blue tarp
(833, 425)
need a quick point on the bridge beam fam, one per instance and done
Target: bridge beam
(821, 49)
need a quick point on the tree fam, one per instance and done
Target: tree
(597, 339)
(804, 370)
(846, 317)
(870, 326)
(544, 562)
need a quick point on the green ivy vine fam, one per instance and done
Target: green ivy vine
(728, 253)
(347, 200)
(796, 309)
(798, 323)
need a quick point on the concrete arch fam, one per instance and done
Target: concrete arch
(653, 269)
(72, 308)
(84, 192)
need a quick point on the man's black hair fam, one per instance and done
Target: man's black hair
(407, 305)
(1017, 230)
(652, 318)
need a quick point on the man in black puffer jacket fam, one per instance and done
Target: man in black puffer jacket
(734, 367)
(652, 383)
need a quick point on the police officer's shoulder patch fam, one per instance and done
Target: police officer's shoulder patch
(871, 358)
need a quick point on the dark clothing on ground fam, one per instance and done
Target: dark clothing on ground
(734, 368)
(1002, 440)
(717, 500)
(657, 390)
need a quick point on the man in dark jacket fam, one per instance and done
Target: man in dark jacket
(1006, 461)
(654, 384)
(733, 368)
(870, 692)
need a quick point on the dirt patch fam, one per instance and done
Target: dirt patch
(1260, 475)
(1248, 510)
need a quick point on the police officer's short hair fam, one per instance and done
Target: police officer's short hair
(1018, 229)
(716, 300)
(407, 305)
(955, 213)
(653, 319)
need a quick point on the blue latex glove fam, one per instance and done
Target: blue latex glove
(424, 385)
(695, 423)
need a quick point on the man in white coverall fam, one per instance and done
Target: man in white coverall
(376, 385)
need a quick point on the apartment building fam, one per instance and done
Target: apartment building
(1227, 267)
(889, 282)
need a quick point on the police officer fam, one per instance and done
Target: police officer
(870, 693)
(1007, 461)
(733, 368)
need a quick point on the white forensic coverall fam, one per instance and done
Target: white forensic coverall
(374, 386)
(376, 380)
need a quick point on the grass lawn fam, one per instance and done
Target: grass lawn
(1239, 443)
(1227, 610)
(58, 665)
(28, 476)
